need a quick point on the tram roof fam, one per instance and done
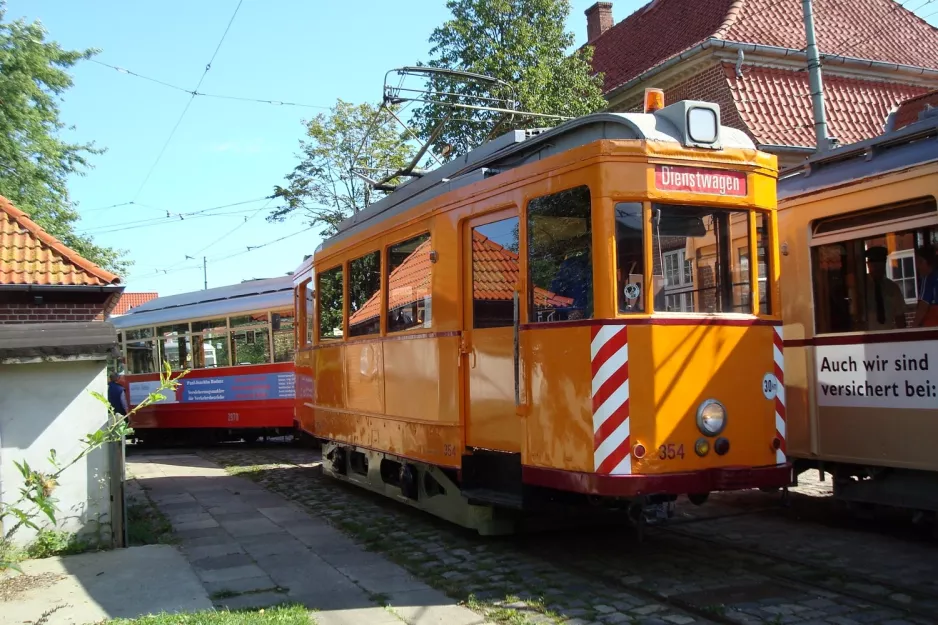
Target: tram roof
(915, 144)
(265, 294)
(521, 147)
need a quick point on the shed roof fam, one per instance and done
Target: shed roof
(31, 256)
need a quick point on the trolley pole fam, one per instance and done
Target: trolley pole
(205, 272)
(814, 79)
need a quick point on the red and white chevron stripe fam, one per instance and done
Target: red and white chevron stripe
(778, 349)
(609, 355)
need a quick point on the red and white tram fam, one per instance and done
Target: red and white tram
(237, 343)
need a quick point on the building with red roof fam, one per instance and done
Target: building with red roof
(913, 110)
(748, 56)
(54, 349)
(131, 300)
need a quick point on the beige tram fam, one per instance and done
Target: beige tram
(861, 375)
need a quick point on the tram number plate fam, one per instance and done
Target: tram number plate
(233, 417)
(670, 451)
(449, 450)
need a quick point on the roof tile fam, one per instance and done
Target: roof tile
(909, 110)
(856, 109)
(31, 256)
(131, 300)
(880, 30)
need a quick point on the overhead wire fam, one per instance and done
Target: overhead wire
(171, 217)
(185, 110)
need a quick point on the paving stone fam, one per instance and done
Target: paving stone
(223, 562)
(678, 619)
(230, 573)
(204, 536)
(252, 600)
(240, 585)
(194, 554)
(188, 526)
(251, 527)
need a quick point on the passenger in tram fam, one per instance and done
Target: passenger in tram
(926, 313)
(885, 304)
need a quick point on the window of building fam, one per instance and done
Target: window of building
(282, 326)
(695, 268)
(210, 343)
(630, 257)
(560, 256)
(901, 270)
(364, 298)
(495, 273)
(331, 304)
(678, 282)
(409, 280)
(867, 283)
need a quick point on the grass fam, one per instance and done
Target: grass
(146, 525)
(280, 615)
(49, 543)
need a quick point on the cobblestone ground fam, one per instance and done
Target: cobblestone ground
(737, 559)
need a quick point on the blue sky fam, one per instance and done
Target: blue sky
(224, 151)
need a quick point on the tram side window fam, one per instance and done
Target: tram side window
(630, 257)
(281, 323)
(695, 268)
(874, 282)
(210, 343)
(142, 356)
(409, 275)
(364, 297)
(330, 304)
(559, 256)
(250, 339)
(495, 273)
(174, 345)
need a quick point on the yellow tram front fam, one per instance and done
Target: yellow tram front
(590, 309)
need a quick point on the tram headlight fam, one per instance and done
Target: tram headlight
(702, 125)
(711, 417)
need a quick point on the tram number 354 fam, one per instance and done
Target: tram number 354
(671, 451)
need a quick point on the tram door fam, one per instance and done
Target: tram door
(492, 273)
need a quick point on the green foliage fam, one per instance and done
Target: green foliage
(51, 543)
(34, 162)
(36, 500)
(146, 525)
(322, 186)
(522, 42)
(278, 615)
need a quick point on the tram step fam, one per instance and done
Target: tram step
(493, 497)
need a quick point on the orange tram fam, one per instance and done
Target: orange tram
(585, 314)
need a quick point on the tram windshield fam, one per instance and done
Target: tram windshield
(700, 259)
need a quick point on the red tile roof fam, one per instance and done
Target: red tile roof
(775, 105)
(495, 273)
(880, 30)
(129, 300)
(909, 110)
(31, 256)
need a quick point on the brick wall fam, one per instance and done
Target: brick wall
(709, 85)
(54, 308)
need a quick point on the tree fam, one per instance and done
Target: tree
(322, 186)
(35, 162)
(521, 42)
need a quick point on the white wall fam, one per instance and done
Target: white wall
(47, 406)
